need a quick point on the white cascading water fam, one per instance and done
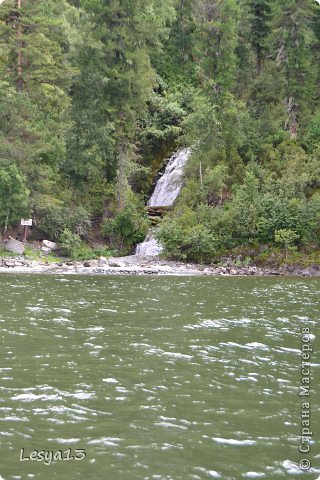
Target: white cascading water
(164, 195)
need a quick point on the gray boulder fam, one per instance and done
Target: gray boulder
(102, 262)
(47, 246)
(14, 246)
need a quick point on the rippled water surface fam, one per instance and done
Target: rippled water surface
(163, 378)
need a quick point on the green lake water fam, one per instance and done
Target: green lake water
(163, 378)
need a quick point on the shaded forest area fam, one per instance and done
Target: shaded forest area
(95, 94)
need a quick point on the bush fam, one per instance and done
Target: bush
(53, 219)
(86, 252)
(287, 238)
(69, 243)
(127, 228)
(185, 239)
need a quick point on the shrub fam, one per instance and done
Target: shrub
(187, 241)
(53, 219)
(286, 237)
(127, 228)
(69, 243)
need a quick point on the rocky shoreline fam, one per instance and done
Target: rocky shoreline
(135, 265)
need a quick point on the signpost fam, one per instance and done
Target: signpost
(25, 223)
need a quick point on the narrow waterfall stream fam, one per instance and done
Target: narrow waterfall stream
(164, 195)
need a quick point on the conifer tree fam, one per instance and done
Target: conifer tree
(35, 75)
(216, 40)
(292, 39)
(115, 82)
(259, 19)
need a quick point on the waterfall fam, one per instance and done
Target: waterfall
(164, 195)
(169, 185)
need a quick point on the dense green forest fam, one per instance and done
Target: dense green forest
(95, 94)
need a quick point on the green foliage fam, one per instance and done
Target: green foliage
(94, 95)
(126, 228)
(286, 237)
(13, 194)
(52, 220)
(38, 255)
(184, 238)
(216, 40)
(84, 252)
(69, 243)
(6, 254)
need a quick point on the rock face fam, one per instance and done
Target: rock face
(14, 246)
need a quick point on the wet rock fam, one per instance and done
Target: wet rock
(14, 246)
(116, 264)
(9, 263)
(305, 272)
(252, 271)
(275, 272)
(222, 270)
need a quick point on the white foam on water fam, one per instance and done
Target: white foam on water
(107, 441)
(232, 441)
(13, 418)
(31, 397)
(110, 380)
(61, 320)
(169, 425)
(209, 473)
(291, 467)
(82, 395)
(178, 355)
(254, 475)
(64, 440)
(213, 474)
(262, 346)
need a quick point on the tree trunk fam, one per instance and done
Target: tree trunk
(292, 120)
(258, 59)
(122, 182)
(200, 173)
(19, 50)
(6, 222)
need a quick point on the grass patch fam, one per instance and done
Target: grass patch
(38, 256)
(6, 254)
(86, 252)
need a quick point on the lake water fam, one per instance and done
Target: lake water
(163, 378)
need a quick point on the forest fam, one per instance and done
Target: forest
(95, 95)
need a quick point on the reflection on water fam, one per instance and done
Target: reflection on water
(156, 378)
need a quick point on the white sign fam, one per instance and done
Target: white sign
(26, 223)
